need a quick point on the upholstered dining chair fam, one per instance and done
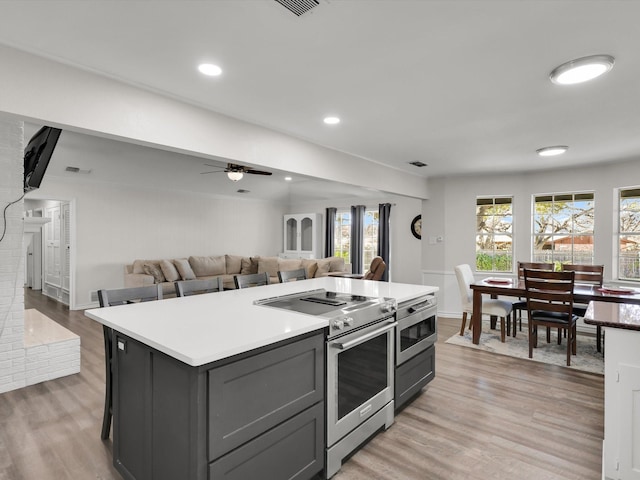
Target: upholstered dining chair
(550, 304)
(521, 304)
(589, 275)
(490, 306)
(292, 275)
(376, 269)
(251, 280)
(185, 288)
(110, 298)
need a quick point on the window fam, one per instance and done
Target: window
(342, 236)
(563, 228)
(494, 234)
(342, 239)
(629, 235)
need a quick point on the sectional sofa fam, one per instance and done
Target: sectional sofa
(168, 271)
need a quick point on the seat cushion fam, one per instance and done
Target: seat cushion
(208, 266)
(496, 307)
(234, 264)
(552, 317)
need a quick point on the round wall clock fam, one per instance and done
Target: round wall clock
(416, 227)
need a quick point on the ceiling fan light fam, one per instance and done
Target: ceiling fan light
(582, 69)
(235, 176)
(552, 151)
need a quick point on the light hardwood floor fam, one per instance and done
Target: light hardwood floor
(484, 416)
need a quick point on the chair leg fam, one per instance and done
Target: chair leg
(560, 330)
(464, 323)
(599, 338)
(548, 335)
(530, 339)
(502, 329)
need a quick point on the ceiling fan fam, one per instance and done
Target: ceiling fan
(235, 172)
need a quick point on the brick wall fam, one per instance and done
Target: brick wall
(12, 351)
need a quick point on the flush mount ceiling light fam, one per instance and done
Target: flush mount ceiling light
(331, 120)
(582, 69)
(552, 151)
(235, 176)
(209, 69)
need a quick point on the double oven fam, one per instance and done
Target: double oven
(415, 339)
(375, 350)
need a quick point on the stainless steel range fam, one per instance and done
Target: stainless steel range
(360, 365)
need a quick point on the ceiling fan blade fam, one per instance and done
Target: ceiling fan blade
(217, 171)
(257, 172)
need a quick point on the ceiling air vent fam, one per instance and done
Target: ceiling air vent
(76, 170)
(418, 164)
(299, 7)
(242, 190)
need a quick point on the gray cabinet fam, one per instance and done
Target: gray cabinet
(413, 375)
(258, 415)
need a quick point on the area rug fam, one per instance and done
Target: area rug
(586, 359)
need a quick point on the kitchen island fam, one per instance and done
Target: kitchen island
(213, 386)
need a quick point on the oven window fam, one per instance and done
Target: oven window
(415, 333)
(362, 373)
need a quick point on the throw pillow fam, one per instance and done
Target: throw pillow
(234, 264)
(311, 266)
(269, 265)
(169, 270)
(323, 267)
(249, 265)
(182, 264)
(151, 269)
(138, 266)
(208, 266)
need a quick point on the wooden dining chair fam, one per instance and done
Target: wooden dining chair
(185, 288)
(292, 275)
(589, 275)
(499, 308)
(550, 304)
(521, 304)
(251, 280)
(111, 298)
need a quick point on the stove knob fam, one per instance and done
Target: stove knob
(337, 324)
(388, 307)
(348, 322)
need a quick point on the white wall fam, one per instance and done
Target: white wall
(405, 248)
(450, 212)
(116, 225)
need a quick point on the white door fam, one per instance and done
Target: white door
(629, 442)
(53, 260)
(65, 235)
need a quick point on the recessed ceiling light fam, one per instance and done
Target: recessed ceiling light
(288, 179)
(552, 151)
(331, 120)
(209, 69)
(582, 69)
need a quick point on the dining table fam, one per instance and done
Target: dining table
(509, 287)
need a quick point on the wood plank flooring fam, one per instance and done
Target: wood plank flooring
(484, 416)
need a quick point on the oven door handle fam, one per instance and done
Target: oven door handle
(364, 338)
(420, 307)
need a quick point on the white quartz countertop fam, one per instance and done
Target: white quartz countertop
(205, 328)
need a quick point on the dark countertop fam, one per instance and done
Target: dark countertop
(615, 315)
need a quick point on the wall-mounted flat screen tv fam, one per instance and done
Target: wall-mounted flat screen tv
(37, 155)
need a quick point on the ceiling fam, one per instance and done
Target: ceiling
(460, 85)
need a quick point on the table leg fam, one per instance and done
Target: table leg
(476, 317)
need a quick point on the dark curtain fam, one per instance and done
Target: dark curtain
(384, 232)
(357, 234)
(329, 232)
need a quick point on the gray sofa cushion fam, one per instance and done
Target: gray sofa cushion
(207, 266)
(154, 270)
(249, 265)
(269, 265)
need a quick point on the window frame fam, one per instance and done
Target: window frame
(494, 200)
(573, 233)
(632, 192)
